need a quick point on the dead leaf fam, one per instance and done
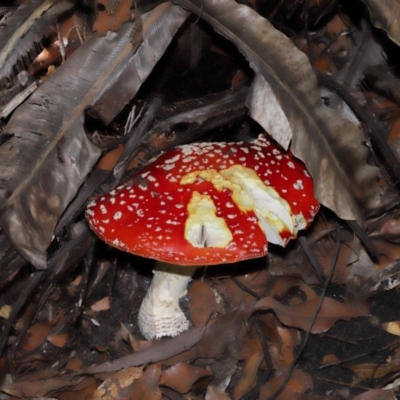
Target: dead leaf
(182, 376)
(36, 336)
(106, 81)
(49, 56)
(115, 386)
(222, 333)
(33, 389)
(83, 390)
(77, 281)
(255, 281)
(375, 394)
(147, 388)
(282, 340)
(388, 227)
(232, 293)
(75, 364)
(107, 21)
(288, 340)
(299, 383)
(202, 302)
(300, 315)
(385, 14)
(213, 393)
(25, 28)
(101, 305)
(392, 327)
(248, 379)
(329, 359)
(109, 160)
(247, 344)
(5, 311)
(161, 350)
(58, 339)
(336, 26)
(285, 283)
(374, 371)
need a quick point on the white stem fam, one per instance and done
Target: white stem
(159, 313)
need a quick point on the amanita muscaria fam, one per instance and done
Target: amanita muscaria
(203, 204)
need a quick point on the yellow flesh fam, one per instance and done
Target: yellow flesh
(249, 193)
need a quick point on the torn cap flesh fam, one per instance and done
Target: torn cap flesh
(208, 203)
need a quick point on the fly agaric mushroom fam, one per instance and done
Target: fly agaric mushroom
(203, 204)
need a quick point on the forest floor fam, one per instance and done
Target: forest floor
(305, 322)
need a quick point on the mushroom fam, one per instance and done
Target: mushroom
(203, 204)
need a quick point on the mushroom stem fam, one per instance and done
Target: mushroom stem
(160, 314)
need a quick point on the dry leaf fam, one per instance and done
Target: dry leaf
(83, 390)
(106, 81)
(202, 302)
(36, 336)
(116, 385)
(299, 383)
(58, 339)
(41, 387)
(392, 327)
(374, 371)
(109, 160)
(214, 393)
(128, 337)
(101, 305)
(24, 30)
(329, 359)
(75, 364)
(232, 293)
(288, 343)
(248, 380)
(385, 14)
(285, 283)
(282, 340)
(107, 21)
(147, 388)
(218, 337)
(5, 311)
(255, 281)
(181, 377)
(160, 350)
(374, 394)
(300, 315)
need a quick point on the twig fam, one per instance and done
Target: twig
(351, 385)
(340, 339)
(332, 364)
(311, 257)
(314, 317)
(245, 288)
(132, 145)
(365, 239)
(378, 364)
(210, 112)
(265, 348)
(61, 42)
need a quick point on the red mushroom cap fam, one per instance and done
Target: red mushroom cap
(208, 203)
